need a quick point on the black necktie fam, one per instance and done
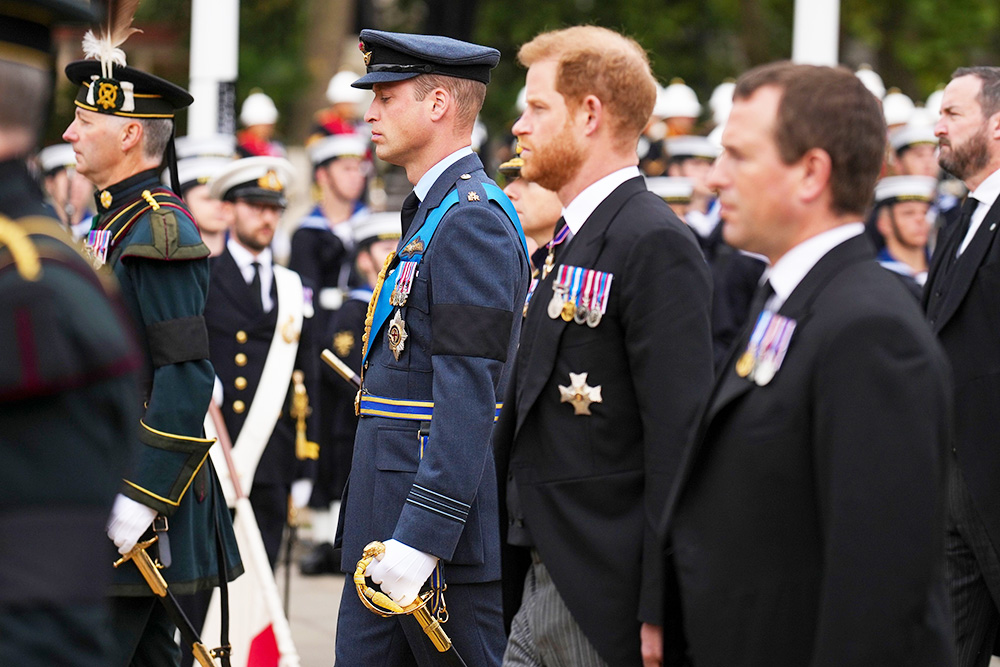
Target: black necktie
(255, 289)
(409, 211)
(760, 297)
(965, 220)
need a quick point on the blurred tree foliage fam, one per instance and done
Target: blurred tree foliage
(913, 44)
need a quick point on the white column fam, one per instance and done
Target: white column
(816, 32)
(215, 33)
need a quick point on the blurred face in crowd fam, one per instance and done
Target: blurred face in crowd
(550, 147)
(344, 177)
(755, 186)
(963, 130)
(539, 209)
(906, 222)
(371, 258)
(96, 140)
(400, 123)
(207, 211)
(695, 168)
(254, 222)
(919, 160)
(70, 191)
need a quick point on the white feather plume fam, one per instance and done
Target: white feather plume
(111, 35)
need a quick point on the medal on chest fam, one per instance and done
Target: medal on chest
(766, 348)
(96, 246)
(397, 335)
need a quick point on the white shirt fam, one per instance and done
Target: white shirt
(584, 204)
(245, 259)
(788, 272)
(423, 186)
(986, 194)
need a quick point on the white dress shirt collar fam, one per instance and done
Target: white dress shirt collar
(423, 186)
(793, 266)
(584, 204)
(986, 194)
(244, 261)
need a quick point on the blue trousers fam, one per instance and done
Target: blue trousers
(475, 626)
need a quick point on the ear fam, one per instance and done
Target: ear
(228, 212)
(882, 221)
(993, 125)
(593, 112)
(816, 168)
(131, 135)
(440, 102)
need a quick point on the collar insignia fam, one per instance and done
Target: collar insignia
(106, 199)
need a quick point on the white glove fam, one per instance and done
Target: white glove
(301, 490)
(218, 394)
(128, 521)
(401, 571)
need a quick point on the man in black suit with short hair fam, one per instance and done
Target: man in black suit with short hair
(614, 365)
(961, 298)
(807, 524)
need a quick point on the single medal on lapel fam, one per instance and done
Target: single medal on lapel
(397, 335)
(747, 362)
(560, 290)
(744, 364)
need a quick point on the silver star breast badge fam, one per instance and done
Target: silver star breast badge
(579, 394)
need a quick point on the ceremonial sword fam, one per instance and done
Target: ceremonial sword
(377, 601)
(151, 573)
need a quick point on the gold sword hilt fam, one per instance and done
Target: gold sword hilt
(381, 604)
(149, 570)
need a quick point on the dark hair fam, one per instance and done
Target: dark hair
(830, 109)
(23, 104)
(989, 96)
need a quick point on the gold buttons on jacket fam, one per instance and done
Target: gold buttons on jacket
(241, 383)
(241, 337)
(241, 359)
(239, 407)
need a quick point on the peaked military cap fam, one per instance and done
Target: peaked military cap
(395, 56)
(55, 157)
(258, 179)
(905, 188)
(671, 189)
(377, 227)
(26, 28)
(912, 134)
(688, 146)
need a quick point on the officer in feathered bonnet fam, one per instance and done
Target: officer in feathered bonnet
(444, 325)
(122, 133)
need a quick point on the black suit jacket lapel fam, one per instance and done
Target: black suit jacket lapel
(966, 265)
(541, 334)
(729, 387)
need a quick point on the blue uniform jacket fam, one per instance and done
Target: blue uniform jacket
(463, 322)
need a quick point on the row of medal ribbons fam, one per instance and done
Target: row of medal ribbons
(580, 295)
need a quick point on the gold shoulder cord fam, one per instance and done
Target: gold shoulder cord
(21, 248)
(371, 308)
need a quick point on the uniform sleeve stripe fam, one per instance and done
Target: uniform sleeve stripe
(458, 503)
(436, 511)
(435, 503)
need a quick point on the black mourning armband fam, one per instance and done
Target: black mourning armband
(470, 331)
(178, 340)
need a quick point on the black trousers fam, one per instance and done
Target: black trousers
(973, 568)
(142, 633)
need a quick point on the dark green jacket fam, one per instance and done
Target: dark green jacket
(157, 255)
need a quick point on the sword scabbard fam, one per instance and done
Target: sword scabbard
(147, 568)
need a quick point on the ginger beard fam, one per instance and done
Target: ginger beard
(553, 164)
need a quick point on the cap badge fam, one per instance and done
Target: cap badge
(269, 181)
(106, 199)
(109, 95)
(367, 54)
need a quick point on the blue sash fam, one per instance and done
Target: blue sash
(426, 232)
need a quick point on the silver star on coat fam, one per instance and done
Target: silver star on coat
(580, 394)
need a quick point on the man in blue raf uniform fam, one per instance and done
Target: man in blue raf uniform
(68, 376)
(440, 331)
(143, 232)
(259, 319)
